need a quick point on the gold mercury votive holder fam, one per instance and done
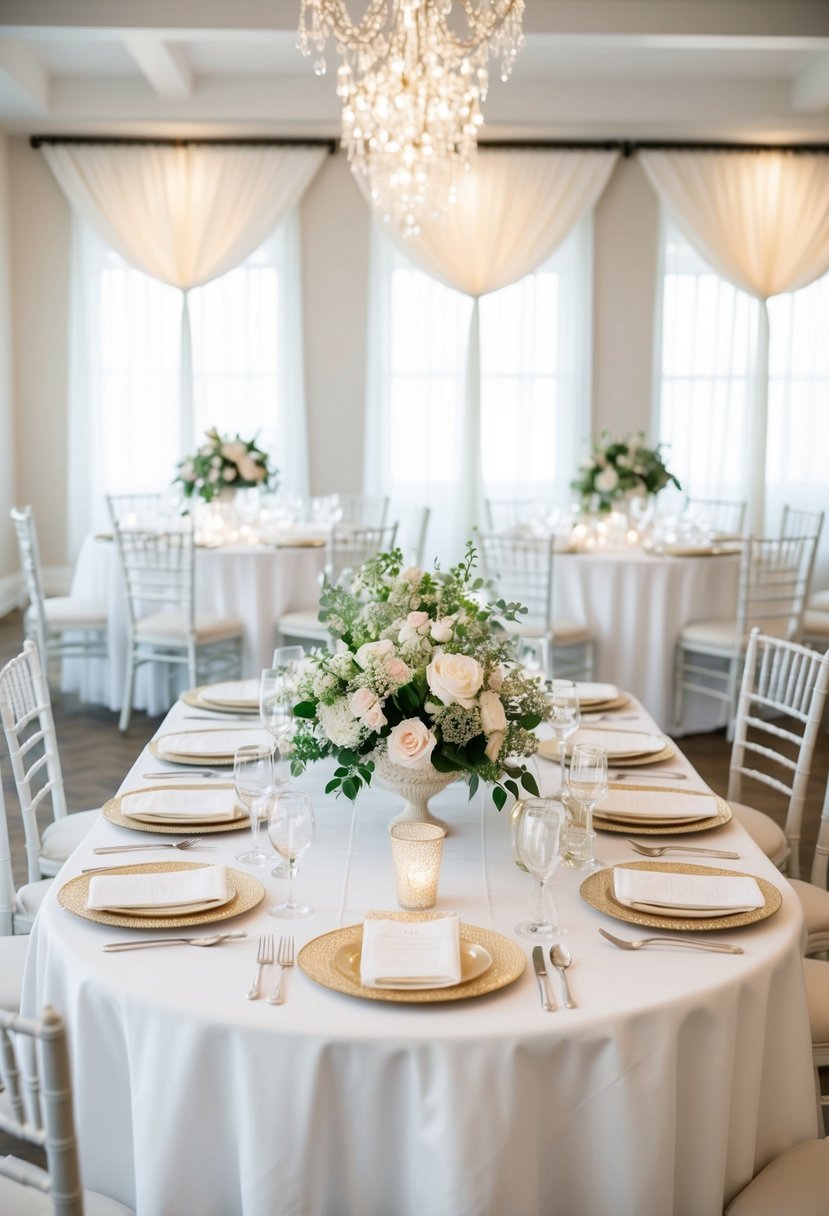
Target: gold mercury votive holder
(416, 850)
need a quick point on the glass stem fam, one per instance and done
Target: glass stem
(254, 824)
(538, 910)
(290, 902)
(562, 755)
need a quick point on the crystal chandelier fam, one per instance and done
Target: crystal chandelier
(411, 89)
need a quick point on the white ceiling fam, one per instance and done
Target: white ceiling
(712, 69)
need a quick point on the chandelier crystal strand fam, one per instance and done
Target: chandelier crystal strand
(411, 90)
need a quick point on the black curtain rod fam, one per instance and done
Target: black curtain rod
(627, 147)
(245, 141)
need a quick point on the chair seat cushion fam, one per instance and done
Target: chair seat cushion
(721, 636)
(816, 624)
(820, 601)
(762, 829)
(19, 1200)
(62, 837)
(794, 1184)
(565, 633)
(816, 976)
(30, 897)
(65, 612)
(815, 903)
(174, 627)
(305, 620)
(13, 952)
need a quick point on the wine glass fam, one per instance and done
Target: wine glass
(253, 779)
(534, 655)
(291, 832)
(587, 786)
(275, 706)
(564, 720)
(538, 842)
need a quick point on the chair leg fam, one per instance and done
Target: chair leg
(129, 683)
(679, 703)
(733, 690)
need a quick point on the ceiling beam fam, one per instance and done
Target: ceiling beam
(164, 64)
(26, 73)
(810, 87)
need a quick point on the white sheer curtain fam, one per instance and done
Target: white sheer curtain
(761, 220)
(513, 209)
(185, 216)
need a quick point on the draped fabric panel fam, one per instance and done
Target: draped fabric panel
(514, 209)
(761, 219)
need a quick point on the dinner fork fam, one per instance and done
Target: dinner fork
(624, 944)
(190, 772)
(264, 958)
(192, 842)
(285, 958)
(649, 850)
(651, 774)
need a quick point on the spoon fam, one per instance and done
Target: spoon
(561, 959)
(214, 940)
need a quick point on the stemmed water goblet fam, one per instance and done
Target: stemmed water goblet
(538, 841)
(563, 719)
(291, 832)
(534, 656)
(586, 787)
(253, 779)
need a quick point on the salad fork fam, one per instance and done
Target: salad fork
(192, 842)
(190, 772)
(649, 850)
(264, 958)
(285, 958)
(624, 944)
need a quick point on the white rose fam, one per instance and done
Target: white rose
(370, 650)
(607, 480)
(493, 718)
(441, 630)
(411, 574)
(496, 677)
(229, 473)
(362, 701)
(374, 718)
(455, 678)
(188, 471)
(493, 745)
(411, 744)
(415, 626)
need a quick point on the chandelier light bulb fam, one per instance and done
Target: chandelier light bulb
(417, 84)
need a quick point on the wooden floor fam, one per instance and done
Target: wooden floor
(95, 757)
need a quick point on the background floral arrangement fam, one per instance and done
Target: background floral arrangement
(224, 463)
(425, 674)
(619, 466)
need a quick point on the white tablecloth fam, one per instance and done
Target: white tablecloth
(637, 605)
(676, 1078)
(255, 584)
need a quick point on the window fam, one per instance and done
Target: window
(502, 417)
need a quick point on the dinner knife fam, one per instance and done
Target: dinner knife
(547, 1002)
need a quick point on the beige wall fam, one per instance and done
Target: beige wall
(8, 550)
(335, 249)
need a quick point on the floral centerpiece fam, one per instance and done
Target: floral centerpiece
(425, 679)
(621, 466)
(223, 463)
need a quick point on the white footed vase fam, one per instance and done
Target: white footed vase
(415, 786)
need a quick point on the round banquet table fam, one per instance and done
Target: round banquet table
(678, 1076)
(637, 604)
(255, 583)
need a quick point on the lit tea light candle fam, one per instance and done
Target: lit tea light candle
(417, 849)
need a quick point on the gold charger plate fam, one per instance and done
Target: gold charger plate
(318, 959)
(209, 761)
(664, 829)
(548, 750)
(112, 811)
(193, 698)
(603, 707)
(597, 891)
(248, 892)
(310, 542)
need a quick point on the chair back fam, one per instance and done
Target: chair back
(34, 1068)
(26, 714)
(349, 547)
(522, 566)
(136, 510)
(505, 513)
(801, 523)
(722, 516)
(26, 532)
(774, 585)
(362, 510)
(782, 697)
(158, 570)
(411, 537)
(8, 900)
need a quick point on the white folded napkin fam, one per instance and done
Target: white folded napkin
(686, 895)
(209, 743)
(410, 954)
(242, 693)
(589, 692)
(206, 805)
(640, 806)
(169, 893)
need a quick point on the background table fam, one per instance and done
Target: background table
(678, 1076)
(637, 604)
(254, 583)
